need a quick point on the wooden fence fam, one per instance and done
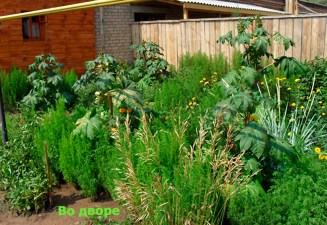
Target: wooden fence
(178, 37)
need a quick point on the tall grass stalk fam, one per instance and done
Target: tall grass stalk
(166, 182)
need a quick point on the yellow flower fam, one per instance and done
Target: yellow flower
(284, 78)
(254, 117)
(166, 117)
(320, 102)
(313, 92)
(193, 99)
(298, 87)
(317, 150)
(323, 114)
(321, 157)
(201, 81)
(204, 78)
(215, 73)
(302, 107)
(293, 104)
(190, 103)
(262, 83)
(289, 134)
(318, 90)
(206, 83)
(278, 79)
(113, 129)
(323, 107)
(325, 157)
(297, 80)
(289, 89)
(97, 93)
(194, 103)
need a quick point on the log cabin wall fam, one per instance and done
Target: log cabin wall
(70, 36)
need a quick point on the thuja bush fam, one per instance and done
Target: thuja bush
(164, 181)
(14, 87)
(53, 126)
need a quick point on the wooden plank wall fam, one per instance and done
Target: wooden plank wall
(70, 36)
(178, 37)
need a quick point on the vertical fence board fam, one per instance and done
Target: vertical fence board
(297, 50)
(306, 33)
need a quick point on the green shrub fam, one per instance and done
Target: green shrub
(297, 197)
(14, 87)
(55, 124)
(22, 176)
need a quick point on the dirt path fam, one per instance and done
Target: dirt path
(65, 196)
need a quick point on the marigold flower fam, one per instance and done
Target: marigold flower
(317, 149)
(122, 110)
(262, 83)
(113, 129)
(129, 110)
(254, 117)
(321, 157)
(297, 80)
(293, 104)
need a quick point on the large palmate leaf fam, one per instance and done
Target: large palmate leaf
(254, 138)
(89, 125)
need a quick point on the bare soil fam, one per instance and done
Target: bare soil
(64, 196)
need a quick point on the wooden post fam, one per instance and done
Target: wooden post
(296, 7)
(3, 119)
(48, 173)
(185, 13)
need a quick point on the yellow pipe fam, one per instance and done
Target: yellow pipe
(78, 6)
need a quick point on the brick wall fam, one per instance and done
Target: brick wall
(113, 30)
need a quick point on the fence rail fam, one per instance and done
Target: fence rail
(178, 37)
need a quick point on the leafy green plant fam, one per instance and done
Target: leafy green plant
(14, 87)
(23, 177)
(149, 65)
(297, 197)
(46, 81)
(111, 82)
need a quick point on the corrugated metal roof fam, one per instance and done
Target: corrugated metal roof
(232, 5)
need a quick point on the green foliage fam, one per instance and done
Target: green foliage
(53, 126)
(149, 66)
(111, 82)
(297, 197)
(157, 167)
(47, 83)
(14, 87)
(22, 176)
(88, 125)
